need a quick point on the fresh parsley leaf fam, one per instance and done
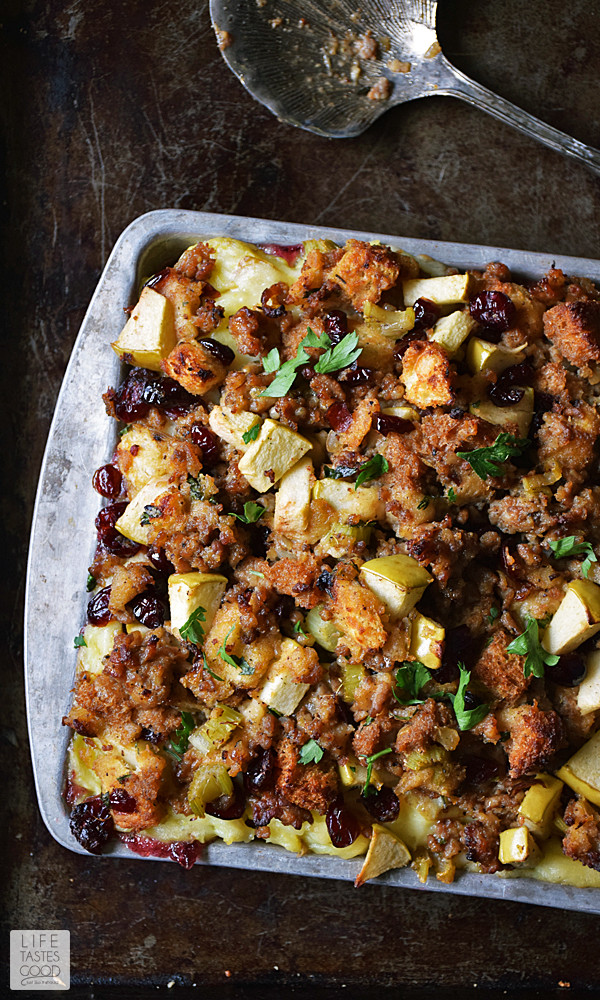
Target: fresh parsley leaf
(494, 613)
(149, 513)
(451, 495)
(466, 717)
(411, 677)
(122, 778)
(424, 503)
(252, 434)
(367, 721)
(569, 546)
(299, 628)
(489, 461)
(376, 466)
(341, 355)
(196, 487)
(528, 645)
(234, 661)
(208, 670)
(254, 572)
(181, 737)
(311, 753)
(369, 761)
(192, 629)
(79, 641)
(124, 430)
(313, 339)
(252, 513)
(272, 361)
(91, 583)
(273, 711)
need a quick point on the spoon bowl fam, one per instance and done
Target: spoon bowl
(333, 67)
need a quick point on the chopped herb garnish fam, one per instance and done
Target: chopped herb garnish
(197, 491)
(494, 612)
(124, 430)
(528, 645)
(411, 677)
(272, 361)
(208, 670)
(299, 628)
(149, 513)
(367, 721)
(181, 737)
(91, 583)
(562, 548)
(424, 503)
(451, 495)
(79, 641)
(466, 717)
(489, 461)
(234, 661)
(252, 513)
(192, 629)
(252, 434)
(123, 777)
(311, 753)
(375, 466)
(369, 762)
(254, 572)
(273, 711)
(341, 355)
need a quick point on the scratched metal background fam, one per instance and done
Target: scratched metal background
(109, 111)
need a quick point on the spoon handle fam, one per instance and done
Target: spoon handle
(453, 83)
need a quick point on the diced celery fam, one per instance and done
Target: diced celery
(216, 730)
(325, 633)
(209, 783)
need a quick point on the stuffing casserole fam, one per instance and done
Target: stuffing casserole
(344, 597)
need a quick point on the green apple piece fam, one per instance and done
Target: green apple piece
(386, 851)
(352, 675)
(582, 771)
(451, 331)
(190, 591)
(354, 775)
(149, 334)
(281, 691)
(520, 413)
(292, 500)
(539, 804)
(129, 523)
(426, 641)
(232, 426)
(448, 290)
(517, 847)
(347, 501)
(485, 356)
(392, 322)
(324, 632)
(399, 581)
(588, 696)
(242, 272)
(275, 451)
(405, 412)
(99, 641)
(337, 542)
(576, 620)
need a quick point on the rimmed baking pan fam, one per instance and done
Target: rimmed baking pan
(62, 542)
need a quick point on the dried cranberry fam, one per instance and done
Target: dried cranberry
(355, 375)
(325, 581)
(459, 647)
(479, 769)
(342, 825)
(228, 806)
(289, 253)
(338, 416)
(383, 804)
(336, 325)
(157, 278)
(149, 609)
(151, 736)
(506, 390)
(220, 351)
(569, 671)
(260, 539)
(493, 310)
(260, 771)
(185, 854)
(208, 443)
(408, 339)
(160, 562)
(542, 403)
(471, 700)
(108, 481)
(387, 423)
(167, 395)
(122, 801)
(427, 314)
(91, 824)
(128, 400)
(112, 539)
(98, 612)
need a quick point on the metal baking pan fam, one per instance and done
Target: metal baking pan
(62, 537)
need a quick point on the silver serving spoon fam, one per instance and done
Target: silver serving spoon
(334, 66)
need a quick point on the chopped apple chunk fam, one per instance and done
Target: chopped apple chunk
(582, 771)
(588, 696)
(386, 851)
(448, 290)
(190, 591)
(451, 331)
(134, 522)
(399, 581)
(517, 847)
(232, 426)
(149, 334)
(539, 804)
(275, 451)
(576, 620)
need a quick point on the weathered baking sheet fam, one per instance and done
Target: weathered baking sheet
(62, 536)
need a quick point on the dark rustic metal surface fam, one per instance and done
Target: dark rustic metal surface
(109, 111)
